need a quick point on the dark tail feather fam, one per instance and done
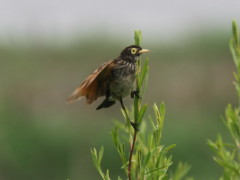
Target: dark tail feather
(106, 103)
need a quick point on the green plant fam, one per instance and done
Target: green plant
(147, 158)
(228, 155)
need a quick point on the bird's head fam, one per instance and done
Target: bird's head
(131, 53)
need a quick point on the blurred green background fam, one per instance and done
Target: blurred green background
(43, 138)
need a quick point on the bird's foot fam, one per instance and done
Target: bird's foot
(135, 126)
(136, 94)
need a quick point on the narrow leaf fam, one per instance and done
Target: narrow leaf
(142, 112)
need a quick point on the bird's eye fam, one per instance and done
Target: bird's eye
(134, 50)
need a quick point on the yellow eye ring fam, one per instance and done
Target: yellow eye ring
(134, 50)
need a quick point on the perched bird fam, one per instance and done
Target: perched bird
(114, 79)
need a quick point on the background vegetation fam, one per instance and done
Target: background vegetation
(227, 154)
(43, 138)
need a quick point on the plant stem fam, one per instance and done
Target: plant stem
(138, 38)
(131, 153)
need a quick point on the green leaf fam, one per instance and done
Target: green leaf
(137, 37)
(97, 157)
(170, 147)
(100, 154)
(150, 142)
(156, 112)
(162, 116)
(162, 110)
(234, 51)
(181, 171)
(213, 146)
(94, 157)
(235, 32)
(146, 159)
(228, 165)
(107, 175)
(155, 169)
(151, 121)
(144, 72)
(235, 46)
(141, 113)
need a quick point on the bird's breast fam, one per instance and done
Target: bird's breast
(122, 86)
(123, 78)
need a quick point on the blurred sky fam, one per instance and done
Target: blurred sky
(62, 18)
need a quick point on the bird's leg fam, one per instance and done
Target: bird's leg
(124, 109)
(134, 125)
(136, 93)
(107, 102)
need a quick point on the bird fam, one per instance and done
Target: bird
(114, 79)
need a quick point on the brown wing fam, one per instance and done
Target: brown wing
(94, 85)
